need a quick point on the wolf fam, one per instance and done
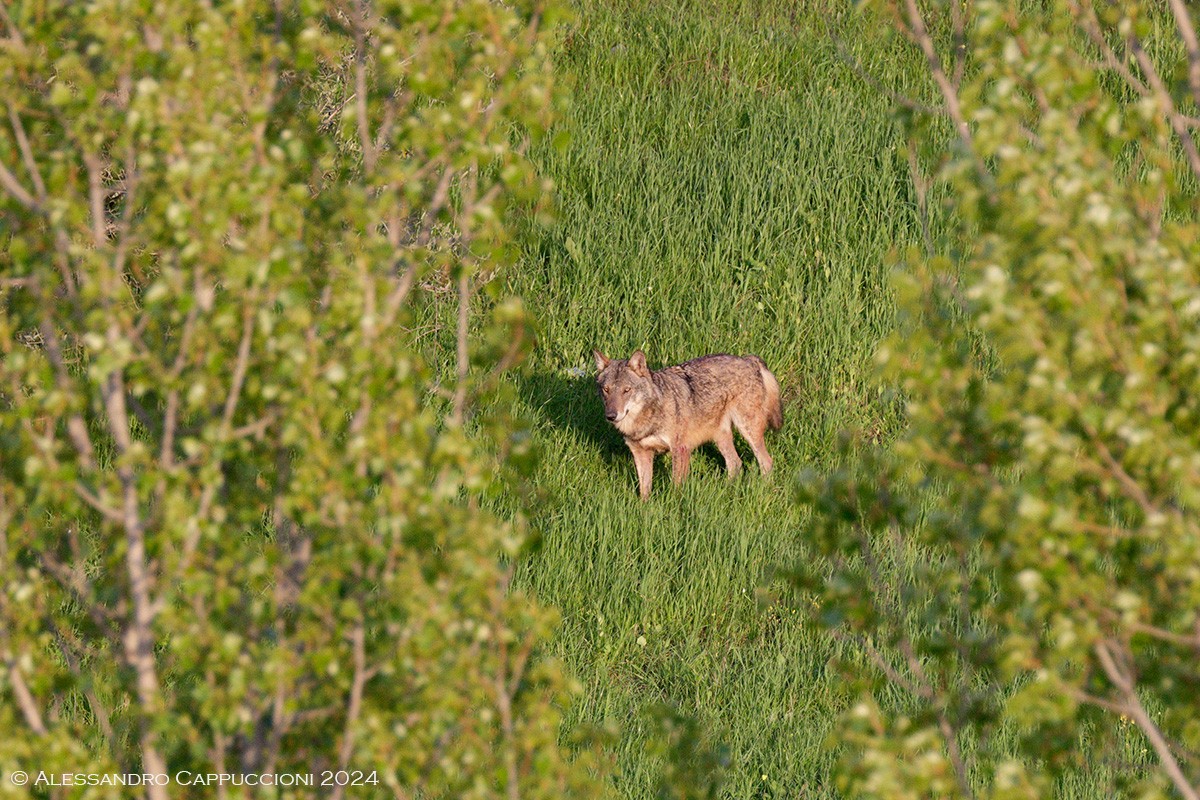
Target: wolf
(679, 408)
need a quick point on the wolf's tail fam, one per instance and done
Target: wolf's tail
(774, 404)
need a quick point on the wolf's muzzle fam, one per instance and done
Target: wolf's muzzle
(611, 416)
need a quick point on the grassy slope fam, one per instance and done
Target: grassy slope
(728, 187)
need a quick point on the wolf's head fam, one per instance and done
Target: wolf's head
(625, 387)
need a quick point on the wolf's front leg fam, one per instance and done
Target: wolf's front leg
(681, 457)
(643, 459)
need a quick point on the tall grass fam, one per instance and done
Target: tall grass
(729, 185)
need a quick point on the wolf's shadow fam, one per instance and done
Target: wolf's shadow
(572, 404)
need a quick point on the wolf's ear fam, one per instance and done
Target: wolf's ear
(601, 360)
(637, 363)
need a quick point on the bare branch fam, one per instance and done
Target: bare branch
(239, 369)
(354, 704)
(360, 87)
(1039, 94)
(1086, 19)
(170, 419)
(75, 580)
(24, 697)
(921, 184)
(95, 174)
(16, 32)
(434, 207)
(890, 672)
(35, 174)
(862, 72)
(1167, 104)
(1101, 702)
(1114, 468)
(944, 725)
(1124, 681)
(1163, 635)
(504, 702)
(139, 635)
(17, 191)
(77, 430)
(463, 353)
(126, 221)
(958, 40)
(191, 540)
(256, 428)
(920, 35)
(99, 711)
(1187, 32)
(76, 427)
(110, 514)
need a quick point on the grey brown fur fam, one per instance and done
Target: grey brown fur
(677, 409)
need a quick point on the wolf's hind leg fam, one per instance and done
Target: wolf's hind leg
(752, 431)
(724, 442)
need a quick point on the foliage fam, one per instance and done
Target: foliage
(1023, 559)
(693, 766)
(239, 509)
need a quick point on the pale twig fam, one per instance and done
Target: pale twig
(62, 242)
(17, 191)
(75, 580)
(24, 697)
(463, 353)
(920, 683)
(944, 725)
(98, 709)
(921, 184)
(126, 221)
(436, 203)
(256, 428)
(1039, 94)
(191, 540)
(1086, 19)
(1132, 488)
(170, 419)
(1187, 32)
(96, 198)
(360, 88)
(139, 636)
(920, 35)
(890, 672)
(507, 725)
(1167, 104)
(76, 427)
(35, 174)
(1124, 682)
(958, 40)
(110, 514)
(239, 369)
(1163, 635)
(354, 703)
(16, 32)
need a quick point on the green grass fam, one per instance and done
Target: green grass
(729, 186)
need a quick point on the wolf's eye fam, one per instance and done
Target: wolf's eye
(626, 390)
(605, 390)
